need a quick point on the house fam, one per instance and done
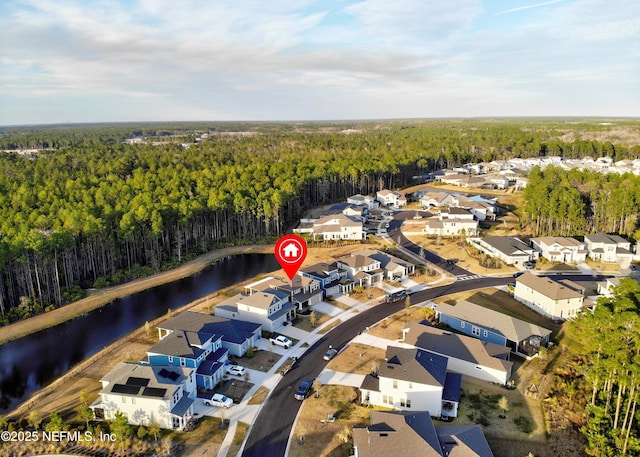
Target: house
(413, 379)
(554, 299)
(363, 200)
(493, 326)
(436, 199)
(560, 249)
(609, 248)
(606, 288)
(338, 227)
(200, 351)
(270, 308)
(393, 267)
(303, 291)
(361, 269)
(237, 336)
(147, 394)
(412, 433)
(333, 281)
(452, 222)
(511, 250)
(465, 355)
(391, 198)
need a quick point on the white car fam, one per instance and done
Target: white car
(218, 400)
(281, 340)
(236, 370)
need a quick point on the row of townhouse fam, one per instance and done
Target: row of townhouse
(597, 246)
(363, 268)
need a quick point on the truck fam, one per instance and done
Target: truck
(281, 340)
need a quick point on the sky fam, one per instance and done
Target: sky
(277, 60)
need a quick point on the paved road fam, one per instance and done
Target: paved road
(272, 427)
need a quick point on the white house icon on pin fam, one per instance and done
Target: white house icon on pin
(290, 250)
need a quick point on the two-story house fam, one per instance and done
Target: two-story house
(413, 379)
(453, 221)
(391, 198)
(363, 200)
(270, 308)
(147, 394)
(554, 299)
(493, 327)
(303, 291)
(338, 227)
(436, 199)
(200, 351)
(609, 248)
(237, 336)
(560, 249)
(394, 267)
(412, 433)
(361, 269)
(333, 280)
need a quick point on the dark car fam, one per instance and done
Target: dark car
(518, 273)
(303, 390)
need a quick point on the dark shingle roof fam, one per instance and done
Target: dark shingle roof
(414, 365)
(463, 441)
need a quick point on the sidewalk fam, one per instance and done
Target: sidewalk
(272, 377)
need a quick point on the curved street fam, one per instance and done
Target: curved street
(269, 435)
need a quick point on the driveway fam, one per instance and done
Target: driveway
(340, 378)
(326, 308)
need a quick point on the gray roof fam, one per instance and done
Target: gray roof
(605, 238)
(414, 365)
(141, 380)
(513, 329)
(180, 343)
(461, 347)
(400, 433)
(232, 331)
(463, 441)
(508, 245)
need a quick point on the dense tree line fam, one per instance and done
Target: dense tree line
(610, 372)
(560, 202)
(94, 211)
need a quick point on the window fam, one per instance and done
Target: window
(461, 324)
(475, 330)
(183, 362)
(395, 384)
(485, 333)
(388, 399)
(170, 358)
(133, 401)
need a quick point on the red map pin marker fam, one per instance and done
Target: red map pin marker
(290, 251)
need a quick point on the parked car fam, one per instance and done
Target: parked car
(236, 370)
(528, 264)
(518, 273)
(330, 354)
(218, 400)
(281, 340)
(304, 389)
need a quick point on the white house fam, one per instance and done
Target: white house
(413, 379)
(363, 200)
(560, 249)
(554, 299)
(147, 394)
(391, 198)
(454, 221)
(609, 248)
(510, 250)
(338, 227)
(270, 308)
(303, 291)
(468, 356)
(436, 199)
(362, 269)
(394, 268)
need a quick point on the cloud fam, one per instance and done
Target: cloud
(527, 7)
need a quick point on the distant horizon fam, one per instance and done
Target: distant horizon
(337, 121)
(95, 61)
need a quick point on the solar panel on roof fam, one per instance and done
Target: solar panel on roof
(164, 373)
(154, 392)
(173, 375)
(133, 381)
(125, 389)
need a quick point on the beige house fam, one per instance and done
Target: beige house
(554, 299)
(454, 221)
(338, 227)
